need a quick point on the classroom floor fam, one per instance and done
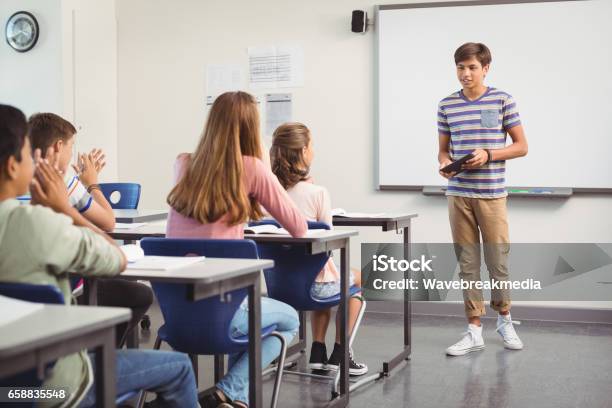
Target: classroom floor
(562, 365)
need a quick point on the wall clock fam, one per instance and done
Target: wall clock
(22, 31)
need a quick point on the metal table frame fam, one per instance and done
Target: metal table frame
(315, 244)
(391, 222)
(97, 332)
(203, 284)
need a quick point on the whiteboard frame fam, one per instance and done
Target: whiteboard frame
(377, 9)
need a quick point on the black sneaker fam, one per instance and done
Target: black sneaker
(213, 401)
(318, 356)
(210, 401)
(354, 367)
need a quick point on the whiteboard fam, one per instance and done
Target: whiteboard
(554, 58)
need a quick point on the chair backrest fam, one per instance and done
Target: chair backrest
(32, 293)
(294, 271)
(129, 195)
(201, 327)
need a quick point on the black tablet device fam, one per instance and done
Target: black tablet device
(455, 167)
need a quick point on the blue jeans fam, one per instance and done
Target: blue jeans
(235, 384)
(167, 373)
(324, 290)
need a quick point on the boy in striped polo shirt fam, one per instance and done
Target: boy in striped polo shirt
(51, 131)
(55, 136)
(477, 120)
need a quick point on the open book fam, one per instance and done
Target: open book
(340, 212)
(14, 309)
(163, 263)
(128, 226)
(273, 229)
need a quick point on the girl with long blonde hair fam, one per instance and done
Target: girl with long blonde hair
(219, 187)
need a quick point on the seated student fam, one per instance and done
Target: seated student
(49, 131)
(54, 135)
(41, 244)
(219, 187)
(291, 155)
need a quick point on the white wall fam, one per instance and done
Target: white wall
(72, 70)
(163, 49)
(32, 81)
(94, 78)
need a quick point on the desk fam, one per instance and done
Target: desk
(391, 222)
(217, 276)
(314, 244)
(131, 216)
(388, 222)
(58, 330)
(154, 229)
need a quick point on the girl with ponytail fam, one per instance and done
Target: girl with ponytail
(291, 156)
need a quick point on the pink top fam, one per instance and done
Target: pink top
(261, 184)
(315, 204)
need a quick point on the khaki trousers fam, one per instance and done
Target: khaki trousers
(470, 218)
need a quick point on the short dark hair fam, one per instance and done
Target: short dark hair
(13, 132)
(47, 128)
(469, 50)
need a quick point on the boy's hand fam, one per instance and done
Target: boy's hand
(97, 157)
(48, 188)
(86, 170)
(443, 174)
(51, 157)
(480, 158)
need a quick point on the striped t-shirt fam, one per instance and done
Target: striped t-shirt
(479, 124)
(78, 196)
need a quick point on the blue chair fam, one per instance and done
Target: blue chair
(294, 272)
(32, 293)
(292, 276)
(129, 195)
(203, 327)
(41, 294)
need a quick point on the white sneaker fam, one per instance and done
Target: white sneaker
(505, 328)
(472, 341)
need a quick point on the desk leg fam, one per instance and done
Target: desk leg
(407, 301)
(407, 315)
(90, 291)
(219, 367)
(342, 398)
(105, 371)
(300, 346)
(133, 339)
(255, 394)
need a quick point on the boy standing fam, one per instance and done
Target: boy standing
(476, 120)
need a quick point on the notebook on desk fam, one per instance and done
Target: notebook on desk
(273, 229)
(340, 212)
(15, 309)
(163, 263)
(129, 226)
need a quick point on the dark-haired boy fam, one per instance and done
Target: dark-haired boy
(40, 244)
(476, 120)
